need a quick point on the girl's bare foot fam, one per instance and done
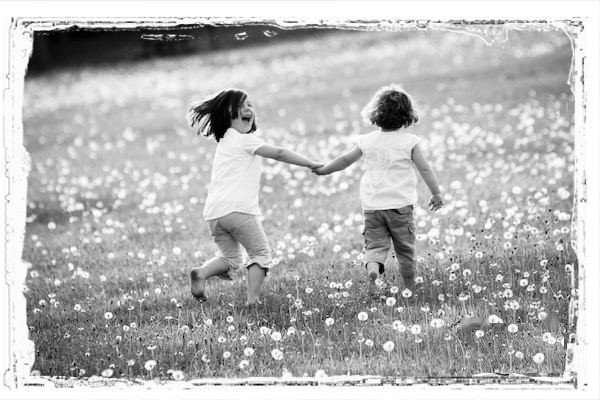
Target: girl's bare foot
(197, 282)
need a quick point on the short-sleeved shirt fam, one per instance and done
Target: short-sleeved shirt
(235, 177)
(389, 181)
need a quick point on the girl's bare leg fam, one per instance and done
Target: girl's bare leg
(198, 276)
(256, 277)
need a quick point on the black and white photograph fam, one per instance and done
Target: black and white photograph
(255, 201)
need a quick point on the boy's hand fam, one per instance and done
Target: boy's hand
(436, 202)
(318, 170)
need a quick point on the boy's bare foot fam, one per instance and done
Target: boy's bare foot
(197, 282)
(251, 303)
(373, 289)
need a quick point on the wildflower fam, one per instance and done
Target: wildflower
(363, 316)
(276, 336)
(512, 328)
(205, 358)
(130, 362)
(523, 282)
(494, 319)
(208, 322)
(369, 343)
(221, 339)
(388, 346)
(415, 329)
(437, 323)
(398, 326)
(320, 373)
(176, 251)
(108, 315)
(178, 375)
(264, 330)
(542, 315)
(230, 328)
(467, 272)
(479, 333)
(543, 263)
(229, 319)
(149, 365)
(329, 321)
(390, 302)
(463, 296)
(519, 355)
(107, 373)
(77, 307)
(543, 289)
(291, 331)
(348, 284)
(277, 354)
(243, 364)
(394, 289)
(538, 358)
(248, 351)
(406, 293)
(308, 290)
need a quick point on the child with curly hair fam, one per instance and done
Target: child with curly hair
(388, 188)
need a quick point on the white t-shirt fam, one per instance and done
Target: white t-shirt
(235, 177)
(389, 181)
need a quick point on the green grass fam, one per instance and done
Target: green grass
(118, 182)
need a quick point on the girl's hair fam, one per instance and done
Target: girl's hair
(214, 115)
(390, 108)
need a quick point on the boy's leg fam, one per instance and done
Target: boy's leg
(198, 276)
(256, 277)
(377, 245)
(372, 274)
(402, 229)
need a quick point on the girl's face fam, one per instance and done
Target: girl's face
(245, 118)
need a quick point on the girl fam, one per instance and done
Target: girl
(231, 208)
(388, 189)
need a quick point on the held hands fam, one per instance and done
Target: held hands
(436, 202)
(318, 168)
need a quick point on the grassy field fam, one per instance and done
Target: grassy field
(118, 180)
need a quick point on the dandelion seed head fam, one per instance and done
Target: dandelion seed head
(388, 346)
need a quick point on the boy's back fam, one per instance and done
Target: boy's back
(389, 181)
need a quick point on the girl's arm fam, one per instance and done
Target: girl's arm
(341, 162)
(285, 155)
(428, 176)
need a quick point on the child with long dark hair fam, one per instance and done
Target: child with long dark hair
(231, 209)
(388, 188)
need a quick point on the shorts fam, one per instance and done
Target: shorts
(235, 230)
(384, 228)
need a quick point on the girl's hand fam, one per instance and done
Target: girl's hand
(319, 170)
(436, 202)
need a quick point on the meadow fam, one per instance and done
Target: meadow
(118, 180)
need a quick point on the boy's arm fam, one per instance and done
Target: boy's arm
(341, 162)
(428, 176)
(285, 155)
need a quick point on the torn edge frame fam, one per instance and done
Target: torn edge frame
(18, 165)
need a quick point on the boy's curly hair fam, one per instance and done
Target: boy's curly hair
(391, 108)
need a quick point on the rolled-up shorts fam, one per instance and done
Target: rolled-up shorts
(384, 228)
(235, 230)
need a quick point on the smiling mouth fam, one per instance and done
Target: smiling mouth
(247, 119)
